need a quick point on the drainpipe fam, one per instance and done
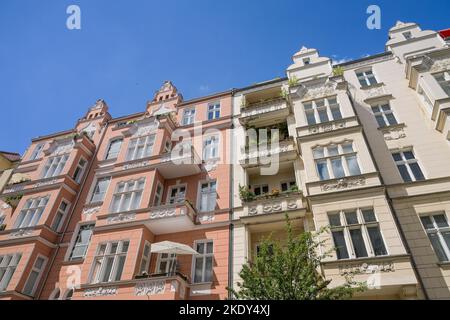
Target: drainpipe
(391, 207)
(72, 211)
(231, 202)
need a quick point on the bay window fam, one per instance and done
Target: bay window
(55, 166)
(79, 170)
(322, 110)
(177, 194)
(141, 147)
(336, 161)
(31, 212)
(356, 234)
(8, 265)
(101, 186)
(127, 196)
(60, 215)
(82, 241)
(109, 262)
(35, 275)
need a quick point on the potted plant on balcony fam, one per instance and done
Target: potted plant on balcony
(13, 201)
(275, 192)
(293, 188)
(293, 81)
(245, 194)
(338, 71)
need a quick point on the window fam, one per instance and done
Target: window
(8, 264)
(37, 152)
(211, 148)
(60, 215)
(165, 263)
(127, 196)
(145, 262)
(2, 219)
(177, 194)
(109, 261)
(306, 61)
(188, 116)
(68, 294)
(31, 213)
(407, 35)
(322, 110)
(140, 147)
(383, 114)
(167, 146)
(259, 190)
(286, 186)
(203, 262)
(82, 241)
(55, 166)
(356, 234)
(214, 111)
(114, 149)
(79, 171)
(408, 166)
(438, 231)
(426, 100)
(100, 189)
(208, 196)
(35, 275)
(158, 195)
(443, 78)
(366, 78)
(336, 161)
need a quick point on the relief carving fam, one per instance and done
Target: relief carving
(343, 184)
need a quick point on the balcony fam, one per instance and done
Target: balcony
(175, 287)
(267, 111)
(330, 127)
(255, 156)
(180, 162)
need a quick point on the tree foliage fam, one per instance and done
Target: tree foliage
(290, 272)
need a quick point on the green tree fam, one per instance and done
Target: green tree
(290, 272)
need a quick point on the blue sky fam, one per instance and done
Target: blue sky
(50, 75)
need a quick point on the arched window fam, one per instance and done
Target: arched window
(55, 294)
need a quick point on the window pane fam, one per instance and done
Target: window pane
(351, 217)
(353, 166)
(310, 117)
(318, 153)
(380, 121)
(339, 243)
(408, 155)
(437, 246)
(397, 156)
(391, 119)
(338, 170)
(404, 173)
(336, 112)
(358, 243)
(377, 241)
(427, 223)
(440, 220)
(323, 115)
(107, 268)
(416, 171)
(120, 265)
(335, 220)
(31, 282)
(323, 170)
(333, 151)
(208, 269)
(347, 148)
(369, 215)
(198, 269)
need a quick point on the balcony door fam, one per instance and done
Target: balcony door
(177, 194)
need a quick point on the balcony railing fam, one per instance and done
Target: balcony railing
(286, 150)
(271, 108)
(267, 204)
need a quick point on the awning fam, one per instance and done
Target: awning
(172, 247)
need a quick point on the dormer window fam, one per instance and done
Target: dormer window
(407, 35)
(306, 61)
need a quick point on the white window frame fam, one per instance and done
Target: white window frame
(209, 193)
(37, 151)
(73, 242)
(63, 215)
(32, 211)
(40, 273)
(342, 155)
(177, 186)
(211, 149)
(204, 256)
(213, 108)
(407, 163)
(170, 259)
(438, 231)
(445, 84)
(95, 278)
(383, 113)
(364, 73)
(122, 194)
(158, 197)
(113, 140)
(260, 186)
(94, 186)
(362, 225)
(9, 268)
(314, 109)
(58, 163)
(188, 116)
(82, 171)
(425, 99)
(145, 260)
(147, 142)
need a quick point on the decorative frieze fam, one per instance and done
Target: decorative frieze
(21, 233)
(335, 125)
(264, 107)
(366, 268)
(163, 213)
(149, 288)
(205, 216)
(393, 133)
(100, 292)
(343, 184)
(122, 217)
(46, 183)
(136, 165)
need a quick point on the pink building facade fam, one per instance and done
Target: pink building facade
(91, 201)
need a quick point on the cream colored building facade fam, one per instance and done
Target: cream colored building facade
(364, 149)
